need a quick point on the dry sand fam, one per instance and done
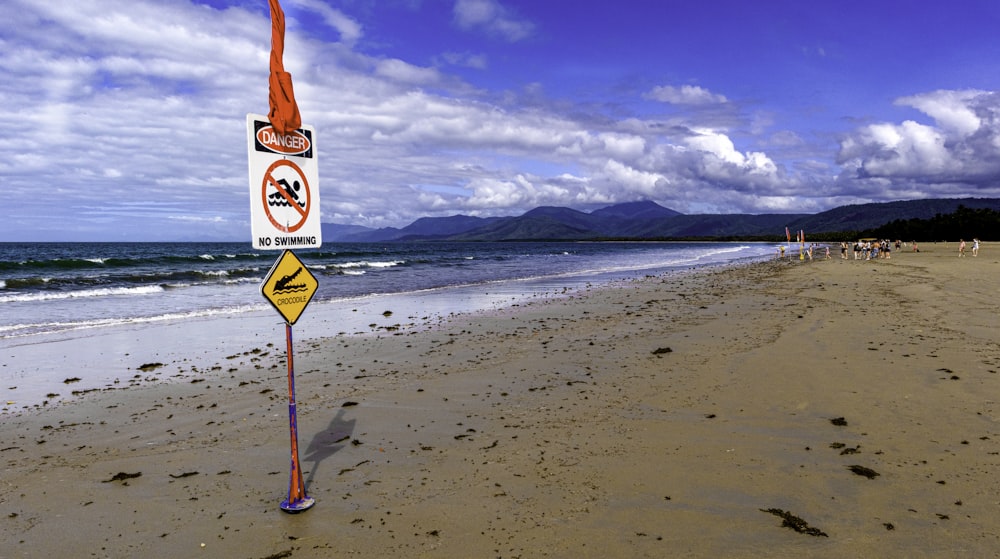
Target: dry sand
(707, 415)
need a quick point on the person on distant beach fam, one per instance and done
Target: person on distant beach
(961, 248)
(915, 249)
(975, 247)
(843, 250)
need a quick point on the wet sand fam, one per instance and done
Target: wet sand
(784, 409)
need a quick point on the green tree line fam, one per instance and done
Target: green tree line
(963, 223)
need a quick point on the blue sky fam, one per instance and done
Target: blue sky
(126, 119)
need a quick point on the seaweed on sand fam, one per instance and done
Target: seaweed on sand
(789, 520)
(863, 471)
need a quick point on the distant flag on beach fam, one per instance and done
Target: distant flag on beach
(788, 235)
(284, 112)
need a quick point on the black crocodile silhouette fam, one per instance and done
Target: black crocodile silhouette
(284, 284)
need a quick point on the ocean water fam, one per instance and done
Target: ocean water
(59, 287)
(96, 312)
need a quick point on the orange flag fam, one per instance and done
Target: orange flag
(284, 112)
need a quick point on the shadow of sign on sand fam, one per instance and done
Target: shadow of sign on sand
(327, 442)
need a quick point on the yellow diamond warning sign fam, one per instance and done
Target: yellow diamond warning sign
(289, 286)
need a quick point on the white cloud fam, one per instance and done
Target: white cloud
(491, 193)
(960, 147)
(400, 71)
(909, 148)
(492, 17)
(197, 219)
(685, 95)
(724, 161)
(950, 109)
(634, 180)
(623, 146)
(717, 144)
(350, 30)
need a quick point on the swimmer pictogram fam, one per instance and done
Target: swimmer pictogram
(288, 195)
(285, 186)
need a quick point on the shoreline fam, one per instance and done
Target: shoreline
(669, 415)
(36, 367)
(41, 370)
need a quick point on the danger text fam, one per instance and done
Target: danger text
(292, 143)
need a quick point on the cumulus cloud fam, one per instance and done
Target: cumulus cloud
(960, 145)
(685, 95)
(492, 17)
(952, 110)
(638, 181)
(722, 161)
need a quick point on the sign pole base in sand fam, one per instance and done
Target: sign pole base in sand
(297, 500)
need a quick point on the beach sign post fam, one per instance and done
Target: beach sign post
(289, 287)
(284, 215)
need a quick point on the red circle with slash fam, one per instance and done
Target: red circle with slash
(286, 195)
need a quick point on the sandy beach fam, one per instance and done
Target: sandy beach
(835, 408)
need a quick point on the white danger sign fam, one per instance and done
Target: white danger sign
(284, 186)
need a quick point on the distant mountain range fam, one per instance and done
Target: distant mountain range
(648, 220)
